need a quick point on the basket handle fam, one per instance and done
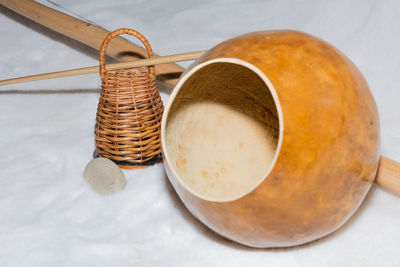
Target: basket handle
(114, 34)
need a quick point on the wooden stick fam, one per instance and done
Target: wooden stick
(389, 175)
(88, 34)
(115, 66)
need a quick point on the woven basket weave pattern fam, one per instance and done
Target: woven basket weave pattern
(129, 113)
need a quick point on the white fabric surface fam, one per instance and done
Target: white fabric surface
(49, 216)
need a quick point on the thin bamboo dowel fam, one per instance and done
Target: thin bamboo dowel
(88, 34)
(115, 66)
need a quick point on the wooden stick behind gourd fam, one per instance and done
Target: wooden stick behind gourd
(88, 34)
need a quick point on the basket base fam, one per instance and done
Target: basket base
(130, 165)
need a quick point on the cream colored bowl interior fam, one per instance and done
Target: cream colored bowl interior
(222, 129)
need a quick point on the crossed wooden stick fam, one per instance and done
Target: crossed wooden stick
(91, 35)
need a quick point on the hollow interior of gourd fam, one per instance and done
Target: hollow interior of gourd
(222, 131)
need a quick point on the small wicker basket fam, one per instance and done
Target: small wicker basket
(128, 120)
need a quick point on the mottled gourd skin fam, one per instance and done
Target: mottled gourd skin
(330, 148)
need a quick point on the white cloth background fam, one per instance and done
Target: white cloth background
(49, 216)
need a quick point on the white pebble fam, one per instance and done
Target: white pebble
(104, 176)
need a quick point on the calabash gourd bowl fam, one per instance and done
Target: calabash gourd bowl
(271, 139)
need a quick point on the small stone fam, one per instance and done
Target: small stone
(104, 176)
